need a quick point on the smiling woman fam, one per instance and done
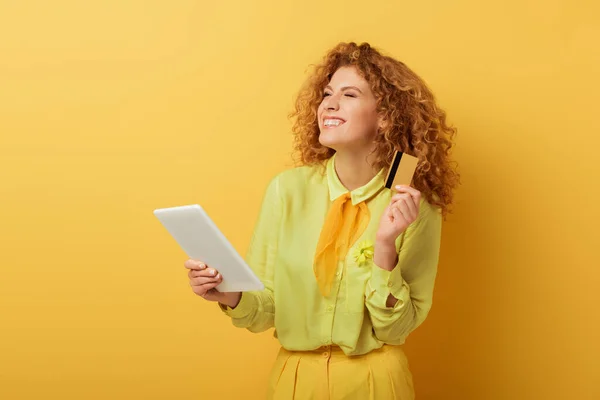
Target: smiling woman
(348, 113)
(348, 265)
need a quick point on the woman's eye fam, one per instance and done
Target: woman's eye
(350, 95)
(326, 94)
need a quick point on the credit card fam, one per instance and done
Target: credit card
(402, 170)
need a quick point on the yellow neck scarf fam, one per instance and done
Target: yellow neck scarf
(343, 225)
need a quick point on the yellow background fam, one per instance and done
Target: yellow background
(110, 109)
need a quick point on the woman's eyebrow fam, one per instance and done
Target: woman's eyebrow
(345, 87)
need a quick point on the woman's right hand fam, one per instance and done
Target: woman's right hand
(203, 281)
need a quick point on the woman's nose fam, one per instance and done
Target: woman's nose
(332, 103)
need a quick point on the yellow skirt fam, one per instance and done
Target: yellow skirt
(328, 374)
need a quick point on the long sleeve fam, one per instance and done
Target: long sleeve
(256, 310)
(411, 281)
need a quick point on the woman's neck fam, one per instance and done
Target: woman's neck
(353, 170)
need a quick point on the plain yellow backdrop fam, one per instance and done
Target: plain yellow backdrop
(110, 109)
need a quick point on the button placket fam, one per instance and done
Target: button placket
(330, 308)
(327, 351)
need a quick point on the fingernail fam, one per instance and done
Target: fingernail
(213, 272)
(218, 276)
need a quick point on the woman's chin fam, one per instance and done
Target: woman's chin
(328, 141)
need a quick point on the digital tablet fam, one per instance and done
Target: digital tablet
(201, 240)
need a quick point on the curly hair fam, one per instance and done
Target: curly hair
(413, 122)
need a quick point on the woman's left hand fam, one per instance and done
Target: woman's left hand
(402, 211)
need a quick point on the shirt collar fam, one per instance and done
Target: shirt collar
(336, 188)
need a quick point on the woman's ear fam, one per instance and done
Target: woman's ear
(381, 123)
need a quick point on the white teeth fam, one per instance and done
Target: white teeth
(332, 122)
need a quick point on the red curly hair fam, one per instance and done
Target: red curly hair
(413, 121)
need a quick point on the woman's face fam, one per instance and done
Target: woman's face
(347, 115)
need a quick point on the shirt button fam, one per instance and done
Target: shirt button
(390, 284)
(325, 354)
(338, 274)
(329, 308)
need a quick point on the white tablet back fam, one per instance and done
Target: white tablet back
(201, 240)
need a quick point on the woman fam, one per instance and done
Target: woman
(348, 265)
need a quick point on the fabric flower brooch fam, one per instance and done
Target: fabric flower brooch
(363, 253)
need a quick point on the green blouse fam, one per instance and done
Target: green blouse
(354, 316)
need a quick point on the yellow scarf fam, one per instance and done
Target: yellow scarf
(343, 225)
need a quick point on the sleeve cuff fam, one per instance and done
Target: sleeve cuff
(244, 308)
(383, 283)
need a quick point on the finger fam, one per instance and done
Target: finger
(194, 264)
(404, 210)
(389, 211)
(398, 215)
(400, 196)
(407, 198)
(208, 272)
(412, 207)
(208, 287)
(416, 195)
(192, 273)
(205, 280)
(211, 272)
(414, 204)
(202, 289)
